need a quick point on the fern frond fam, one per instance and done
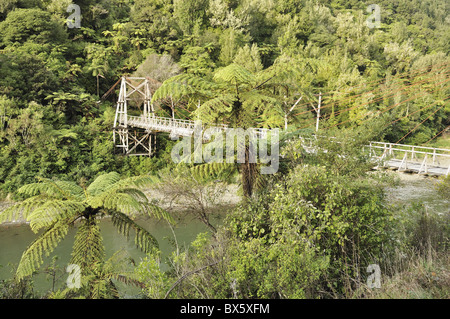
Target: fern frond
(120, 266)
(88, 246)
(103, 183)
(75, 191)
(44, 244)
(211, 170)
(129, 278)
(53, 210)
(174, 90)
(55, 189)
(158, 212)
(130, 201)
(143, 239)
(117, 200)
(196, 82)
(137, 194)
(256, 101)
(234, 74)
(22, 209)
(214, 108)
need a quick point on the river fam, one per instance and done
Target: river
(15, 238)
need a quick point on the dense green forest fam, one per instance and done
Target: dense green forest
(54, 122)
(318, 222)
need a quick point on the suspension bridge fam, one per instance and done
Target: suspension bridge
(136, 126)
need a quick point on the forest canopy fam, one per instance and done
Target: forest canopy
(54, 121)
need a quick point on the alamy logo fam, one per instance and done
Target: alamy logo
(374, 280)
(74, 20)
(374, 20)
(74, 279)
(249, 146)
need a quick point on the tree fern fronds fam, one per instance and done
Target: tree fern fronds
(122, 222)
(119, 260)
(158, 212)
(135, 193)
(121, 202)
(22, 209)
(193, 81)
(75, 191)
(140, 181)
(44, 244)
(88, 246)
(45, 186)
(211, 170)
(272, 116)
(98, 283)
(258, 101)
(143, 239)
(234, 74)
(213, 108)
(52, 210)
(120, 267)
(103, 183)
(174, 90)
(129, 279)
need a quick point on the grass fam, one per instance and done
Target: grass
(416, 266)
(440, 142)
(419, 277)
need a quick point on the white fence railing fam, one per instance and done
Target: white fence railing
(417, 158)
(176, 126)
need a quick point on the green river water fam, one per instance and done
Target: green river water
(15, 238)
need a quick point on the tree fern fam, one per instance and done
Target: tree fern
(55, 189)
(211, 170)
(22, 209)
(53, 210)
(88, 245)
(215, 108)
(32, 258)
(56, 205)
(102, 183)
(237, 98)
(143, 239)
(235, 74)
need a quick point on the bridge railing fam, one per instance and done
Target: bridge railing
(426, 157)
(178, 126)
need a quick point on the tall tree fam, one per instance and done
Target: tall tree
(233, 97)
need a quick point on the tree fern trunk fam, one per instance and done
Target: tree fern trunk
(248, 173)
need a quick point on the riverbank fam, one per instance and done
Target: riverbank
(227, 198)
(418, 189)
(405, 191)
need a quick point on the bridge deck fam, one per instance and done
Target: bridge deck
(415, 168)
(411, 158)
(176, 126)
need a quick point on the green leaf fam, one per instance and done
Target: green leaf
(53, 210)
(44, 244)
(234, 74)
(103, 183)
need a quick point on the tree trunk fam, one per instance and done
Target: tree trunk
(248, 174)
